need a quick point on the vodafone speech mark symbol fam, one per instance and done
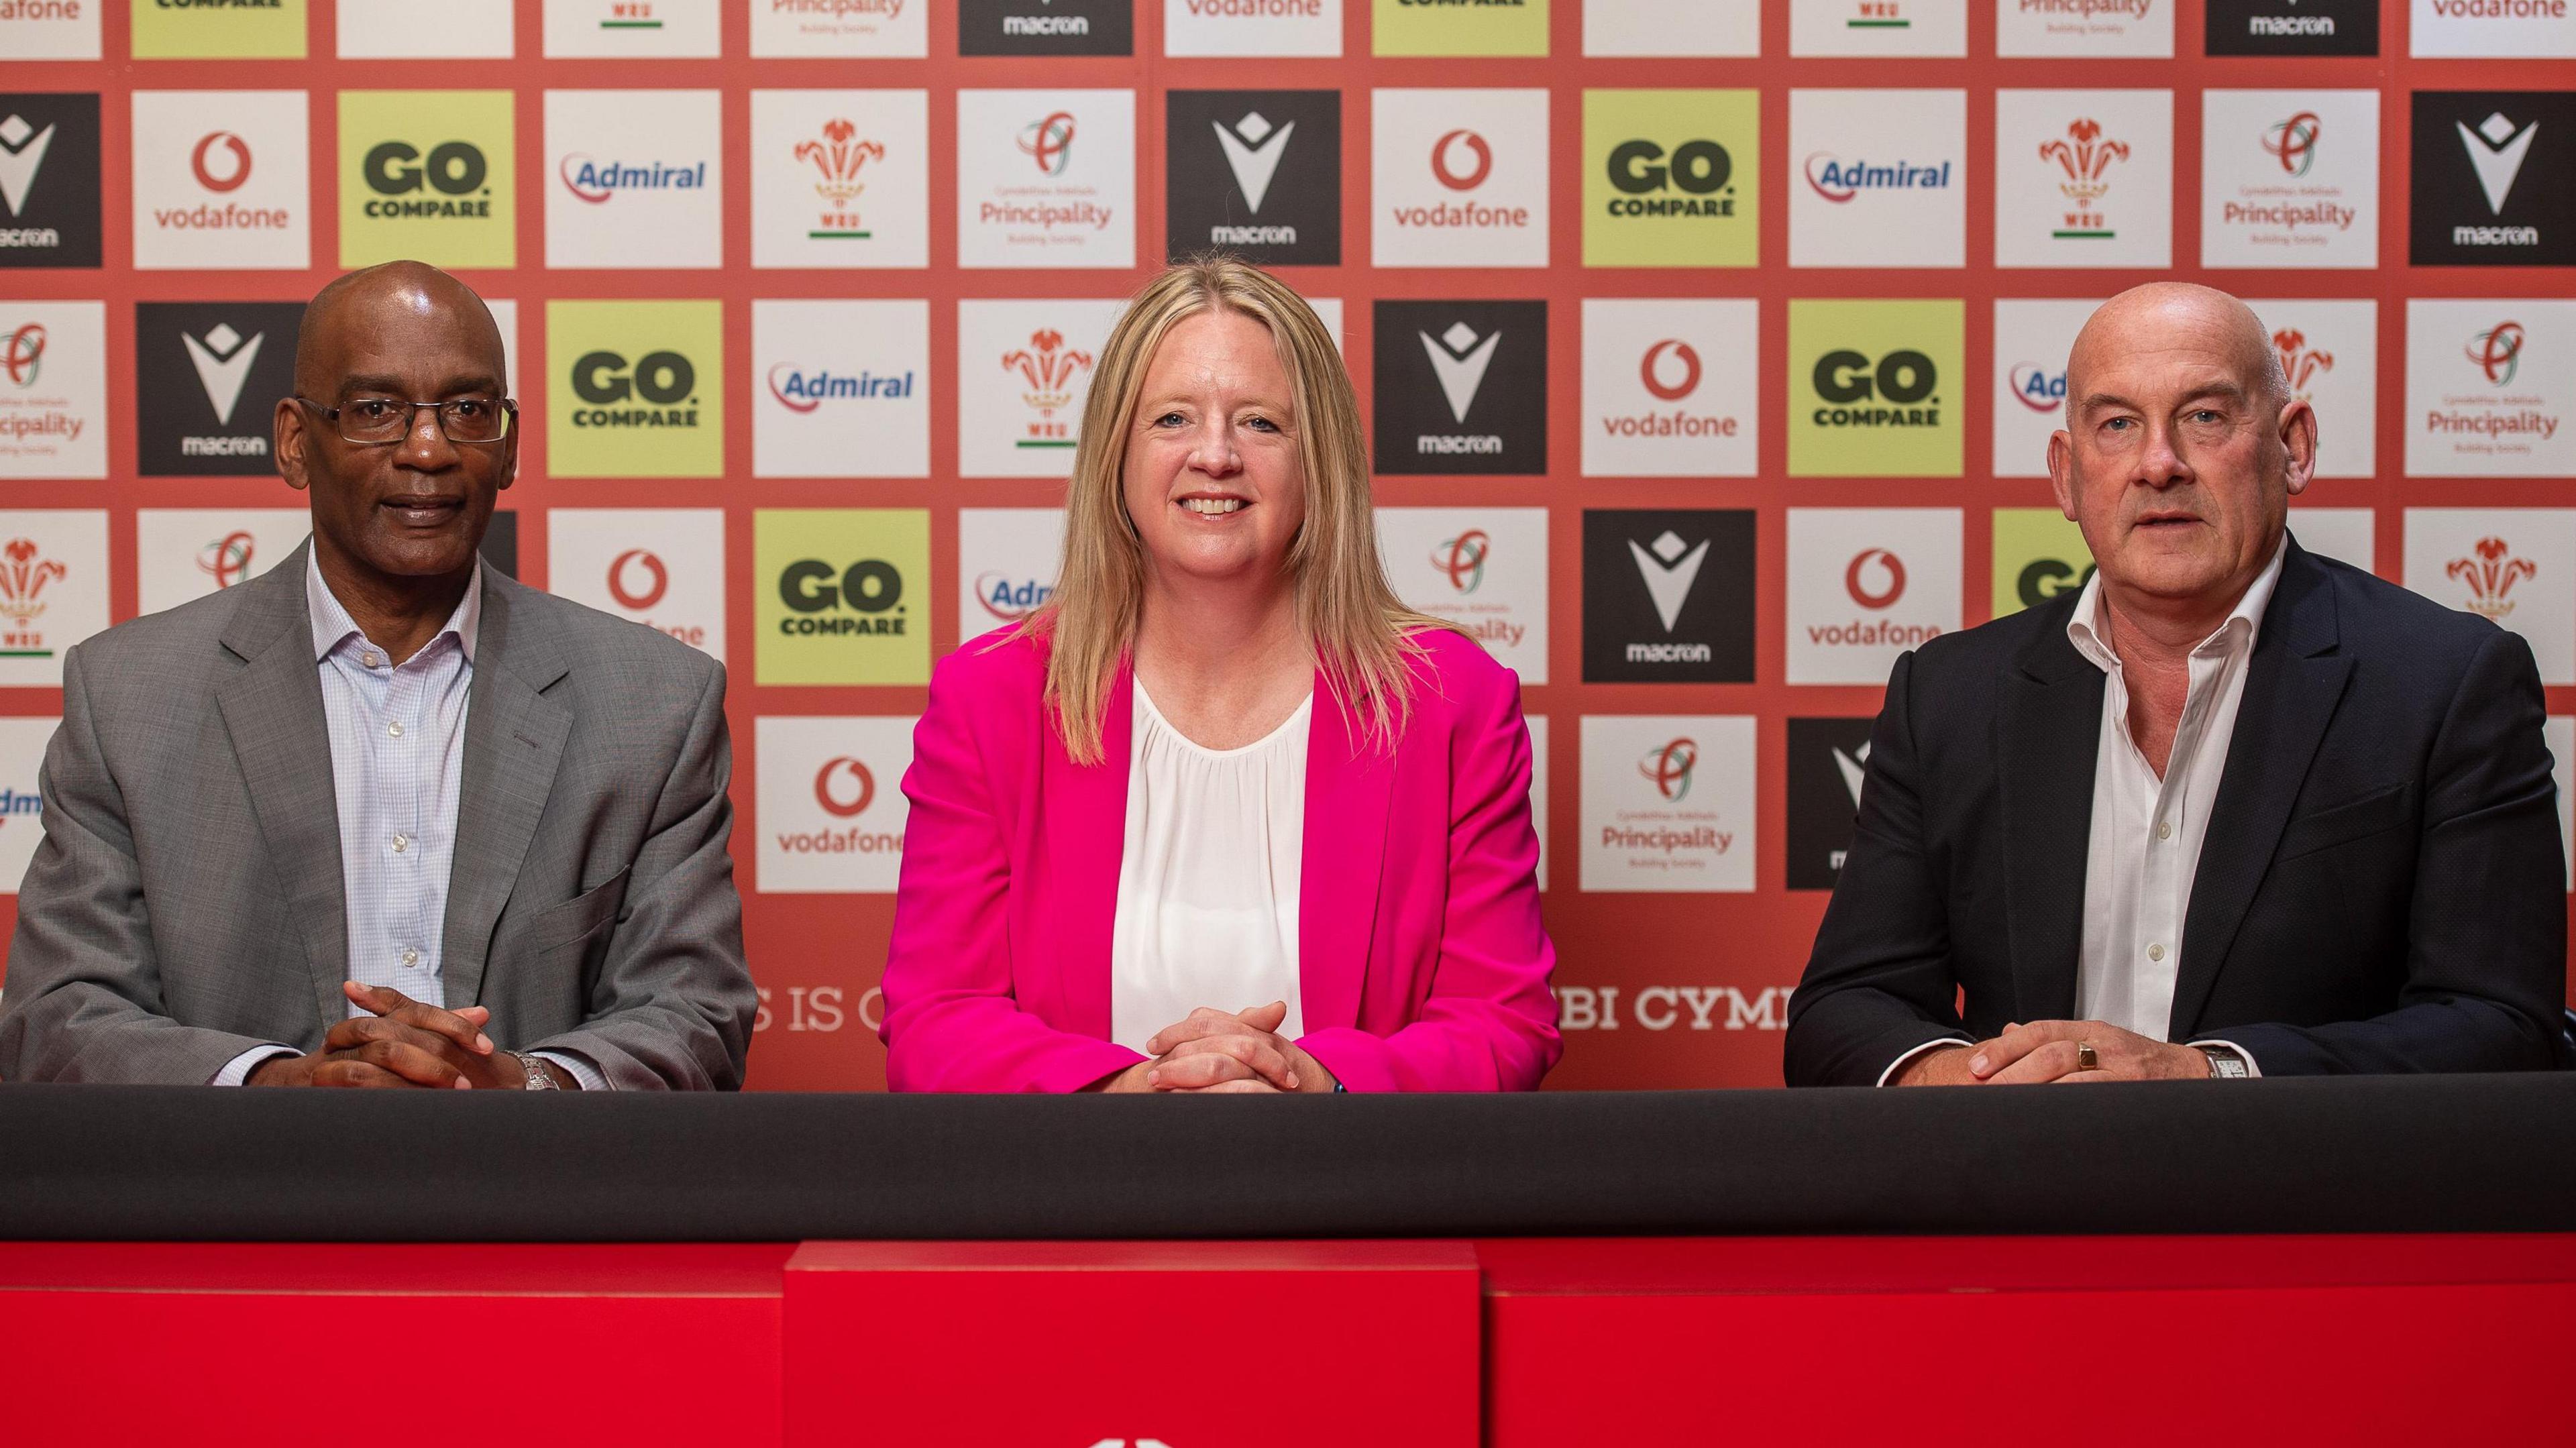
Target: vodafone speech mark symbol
(1648, 371)
(233, 174)
(831, 801)
(657, 580)
(1449, 176)
(1861, 592)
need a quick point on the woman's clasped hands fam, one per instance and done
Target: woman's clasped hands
(1231, 1052)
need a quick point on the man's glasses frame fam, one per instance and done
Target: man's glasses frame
(505, 411)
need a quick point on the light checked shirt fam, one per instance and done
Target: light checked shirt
(397, 768)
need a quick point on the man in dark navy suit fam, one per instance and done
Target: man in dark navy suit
(2233, 810)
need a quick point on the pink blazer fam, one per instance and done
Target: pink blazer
(1422, 962)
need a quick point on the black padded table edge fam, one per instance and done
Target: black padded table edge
(2439, 1154)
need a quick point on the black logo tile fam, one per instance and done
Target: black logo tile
(1462, 387)
(1046, 27)
(1826, 760)
(2491, 179)
(49, 179)
(207, 378)
(2293, 27)
(1668, 596)
(1255, 173)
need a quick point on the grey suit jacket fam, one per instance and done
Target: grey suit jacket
(185, 903)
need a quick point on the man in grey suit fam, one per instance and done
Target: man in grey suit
(383, 816)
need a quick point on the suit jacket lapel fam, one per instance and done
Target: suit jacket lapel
(2050, 730)
(1348, 785)
(272, 709)
(2292, 684)
(514, 738)
(1086, 837)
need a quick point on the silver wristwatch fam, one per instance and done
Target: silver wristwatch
(541, 1079)
(2225, 1064)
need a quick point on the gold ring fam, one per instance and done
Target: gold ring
(2085, 1059)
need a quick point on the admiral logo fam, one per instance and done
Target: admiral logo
(1460, 177)
(1483, 569)
(1828, 763)
(53, 390)
(2292, 27)
(2515, 567)
(1668, 803)
(53, 589)
(1881, 178)
(428, 175)
(1006, 565)
(597, 181)
(1668, 596)
(49, 180)
(207, 377)
(22, 755)
(830, 817)
(840, 389)
(1461, 387)
(1046, 178)
(2292, 178)
(2481, 192)
(1046, 27)
(1256, 173)
(839, 607)
(800, 390)
(663, 568)
(2036, 386)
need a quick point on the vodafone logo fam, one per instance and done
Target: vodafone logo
(1652, 370)
(1856, 578)
(221, 161)
(1444, 163)
(656, 579)
(836, 800)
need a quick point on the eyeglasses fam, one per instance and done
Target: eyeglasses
(379, 420)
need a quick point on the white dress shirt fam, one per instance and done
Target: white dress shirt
(397, 736)
(1208, 876)
(2147, 829)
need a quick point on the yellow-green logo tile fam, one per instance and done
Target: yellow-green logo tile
(841, 595)
(218, 30)
(1672, 177)
(1461, 27)
(2039, 555)
(428, 176)
(1873, 388)
(635, 389)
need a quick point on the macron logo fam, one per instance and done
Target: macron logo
(22, 151)
(223, 365)
(1669, 568)
(1460, 362)
(1855, 768)
(2496, 150)
(1253, 150)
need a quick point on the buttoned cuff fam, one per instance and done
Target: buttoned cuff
(577, 1068)
(237, 1070)
(1899, 1063)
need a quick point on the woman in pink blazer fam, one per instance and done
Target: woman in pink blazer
(1224, 815)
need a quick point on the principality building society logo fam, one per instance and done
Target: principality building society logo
(427, 175)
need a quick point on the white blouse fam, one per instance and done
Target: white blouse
(1207, 882)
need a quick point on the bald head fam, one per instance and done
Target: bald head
(2162, 314)
(397, 299)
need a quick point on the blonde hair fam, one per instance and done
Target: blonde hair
(1350, 615)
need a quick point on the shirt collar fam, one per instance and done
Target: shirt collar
(2091, 636)
(333, 627)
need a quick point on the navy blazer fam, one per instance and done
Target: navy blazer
(2381, 889)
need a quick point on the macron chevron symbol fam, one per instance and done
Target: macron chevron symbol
(1253, 150)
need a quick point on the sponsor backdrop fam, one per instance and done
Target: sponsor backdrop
(1710, 348)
